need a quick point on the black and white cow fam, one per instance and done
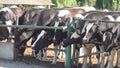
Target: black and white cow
(111, 41)
(8, 17)
(85, 32)
(29, 17)
(62, 18)
(39, 17)
(95, 31)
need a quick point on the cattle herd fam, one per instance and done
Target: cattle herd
(104, 35)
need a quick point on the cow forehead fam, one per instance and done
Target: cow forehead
(6, 9)
(62, 13)
(89, 26)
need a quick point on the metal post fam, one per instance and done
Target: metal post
(15, 49)
(17, 19)
(68, 48)
(74, 45)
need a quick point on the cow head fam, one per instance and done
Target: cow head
(108, 41)
(4, 16)
(43, 40)
(90, 31)
(5, 19)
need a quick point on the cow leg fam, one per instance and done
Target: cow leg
(37, 54)
(61, 53)
(98, 56)
(84, 58)
(41, 55)
(102, 61)
(55, 56)
(81, 53)
(89, 48)
(34, 53)
(118, 59)
(110, 59)
(44, 57)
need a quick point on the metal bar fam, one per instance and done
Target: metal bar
(55, 49)
(44, 48)
(94, 53)
(88, 55)
(106, 21)
(68, 48)
(31, 26)
(17, 21)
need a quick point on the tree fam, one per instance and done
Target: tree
(99, 4)
(65, 3)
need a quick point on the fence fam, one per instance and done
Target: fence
(68, 48)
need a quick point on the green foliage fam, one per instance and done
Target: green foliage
(99, 4)
(65, 3)
(1, 6)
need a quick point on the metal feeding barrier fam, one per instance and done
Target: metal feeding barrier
(69, 31)
(95, 21)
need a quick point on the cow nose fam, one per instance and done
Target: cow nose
(85, 40)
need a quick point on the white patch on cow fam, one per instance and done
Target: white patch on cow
(13, 6)
(62, 13)
(6, 9)
(88, 8)
(110, 17)
(106, 10)
(89, 26)
(75, 35)
(9, 22)
(79, 16)
(61, 54)
(104, 36)
(56, 24)
(81, 53)
(64, 28)
(38, 7)
(118, 18)
(39, 36)
(25, 35)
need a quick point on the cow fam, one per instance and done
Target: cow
(29, 17)
(62, 17)
(96, 30)
(8, 17)
(46, 17)
(111, 41)
(83, 30)
(33, 17)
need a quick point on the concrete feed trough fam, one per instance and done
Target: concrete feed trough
(6, 50)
